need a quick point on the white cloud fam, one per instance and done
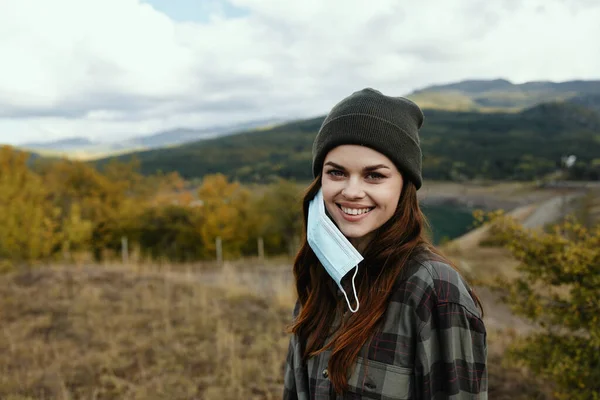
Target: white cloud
(114, 68)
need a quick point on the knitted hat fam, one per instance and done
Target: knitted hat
(389, 125)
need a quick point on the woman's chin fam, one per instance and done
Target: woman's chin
(355, 234)
(353, 231)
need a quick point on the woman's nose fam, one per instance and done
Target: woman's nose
(353, 190)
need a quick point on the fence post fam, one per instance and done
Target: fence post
(66, 249)
(124, 250)
(219, 245)
(261, 249)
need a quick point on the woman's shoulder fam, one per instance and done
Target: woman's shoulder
(428, 280)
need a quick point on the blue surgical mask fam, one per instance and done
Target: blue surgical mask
(332, 248)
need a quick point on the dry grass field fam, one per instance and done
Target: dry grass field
(105, 333)
(116, 332)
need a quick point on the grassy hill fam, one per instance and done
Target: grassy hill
(457, 146)
(503, 96)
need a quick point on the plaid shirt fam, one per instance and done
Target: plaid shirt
(432, 344)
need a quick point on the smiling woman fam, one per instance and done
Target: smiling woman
(416, 328)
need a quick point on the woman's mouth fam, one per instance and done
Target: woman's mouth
(354, 214)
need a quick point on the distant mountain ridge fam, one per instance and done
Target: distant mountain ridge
(186, 135)
(74, 142)
(485, 86)
(84, 148)
(500, 95)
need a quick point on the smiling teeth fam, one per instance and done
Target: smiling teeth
(355, 211)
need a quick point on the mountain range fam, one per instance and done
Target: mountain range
(61, 144)
(500, 95)
(84, 148)
(474, 129)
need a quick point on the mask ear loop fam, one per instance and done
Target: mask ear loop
(354, 291)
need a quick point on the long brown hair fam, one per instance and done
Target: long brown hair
(402, 236)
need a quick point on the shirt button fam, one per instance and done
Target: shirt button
(325, 373)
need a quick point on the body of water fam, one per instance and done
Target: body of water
(448, 221)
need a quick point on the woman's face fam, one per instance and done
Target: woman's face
(361, 189)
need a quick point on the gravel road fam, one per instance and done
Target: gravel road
(552, 210)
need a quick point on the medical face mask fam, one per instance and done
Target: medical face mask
(332, 248)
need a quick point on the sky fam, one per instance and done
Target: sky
(113, 69)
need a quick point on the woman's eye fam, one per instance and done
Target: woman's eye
(375, 175)
(335, 172)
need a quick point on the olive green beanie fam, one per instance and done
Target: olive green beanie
(389, 125)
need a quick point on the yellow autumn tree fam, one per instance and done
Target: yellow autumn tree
(76, 232)
(102, 200)
(28, 220)
(226, 213)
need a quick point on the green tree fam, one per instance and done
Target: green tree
(170, 231)
(281, 208)
(558, 289)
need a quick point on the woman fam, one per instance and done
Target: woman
(380, 313)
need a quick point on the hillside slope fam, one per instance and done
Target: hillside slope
(456, 145)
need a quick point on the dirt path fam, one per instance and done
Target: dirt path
(551, 210)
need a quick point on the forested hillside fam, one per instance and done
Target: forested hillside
(457, 146)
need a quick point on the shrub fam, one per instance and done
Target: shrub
(558, 289)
